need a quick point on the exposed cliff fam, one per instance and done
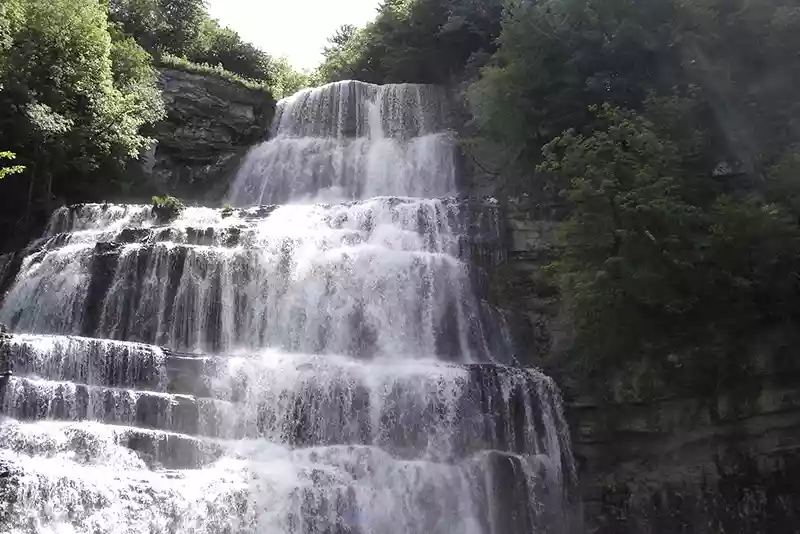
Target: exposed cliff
(706, 464)
(211, 122)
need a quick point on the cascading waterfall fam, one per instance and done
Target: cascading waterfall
(313, 361)
(352, 140)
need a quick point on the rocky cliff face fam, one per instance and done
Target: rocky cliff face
(682, 460)
(702, 464)
(211, 122)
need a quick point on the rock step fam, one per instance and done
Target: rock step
(452, 413)
(110, 363)
(191, 297)
(29, 399)
(97, 443)
(190, 236)
(329, 490)
(412, 409)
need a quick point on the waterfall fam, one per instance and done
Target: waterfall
(312, 361)
(352, 140)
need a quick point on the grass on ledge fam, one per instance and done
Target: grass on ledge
(169, 60)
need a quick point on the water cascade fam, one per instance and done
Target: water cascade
(312, 361)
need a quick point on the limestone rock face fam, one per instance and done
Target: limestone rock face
(211, 123)
(728, 462)
(516, 282)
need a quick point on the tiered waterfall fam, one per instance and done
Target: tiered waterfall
(312, 361)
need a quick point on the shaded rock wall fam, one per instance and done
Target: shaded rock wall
(517, 283)
(727, 462)
(211, 123)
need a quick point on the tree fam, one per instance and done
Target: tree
(181, 32)
(11, 17)
(558, 58)
(184, 29)
(284, 79)
(426, 41)
(342, 36)
(73, 102)
(226, 48)
(655, 272)
(345, 57)
(140, 19)
(627, 241)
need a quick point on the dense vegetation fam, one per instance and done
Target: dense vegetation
(78, 90)
(425, 41)
(670, 131)
(74, 95)
(182, 33)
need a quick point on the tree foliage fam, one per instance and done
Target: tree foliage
(184, 29)
(559, 57)
(426, 41)
(166, 208)
(669, 129)
(74, 100)
(13, 169)
(628, 233)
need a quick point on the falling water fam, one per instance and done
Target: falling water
(319, 366)
(352, 140)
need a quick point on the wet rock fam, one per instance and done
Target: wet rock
(211, 123)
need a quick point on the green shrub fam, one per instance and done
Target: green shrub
(167, 208)
(227, 210)
(169, 60)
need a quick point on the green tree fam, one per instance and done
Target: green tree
(73, 102)
(658, 277)
(731, 60)
(558, 58)
(341, 37)
(11, 17)
(344, 57)
(141, 19)
(427, 41)
(284, 79)
(183, 25)
(184, 29)
(627, 241)
(225, 47)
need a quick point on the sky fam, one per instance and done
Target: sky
(296, 29)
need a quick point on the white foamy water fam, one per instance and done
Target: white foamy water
(323, 364)
(379, 278)
(351, 140)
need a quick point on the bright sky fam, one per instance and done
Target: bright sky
(297, 29)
